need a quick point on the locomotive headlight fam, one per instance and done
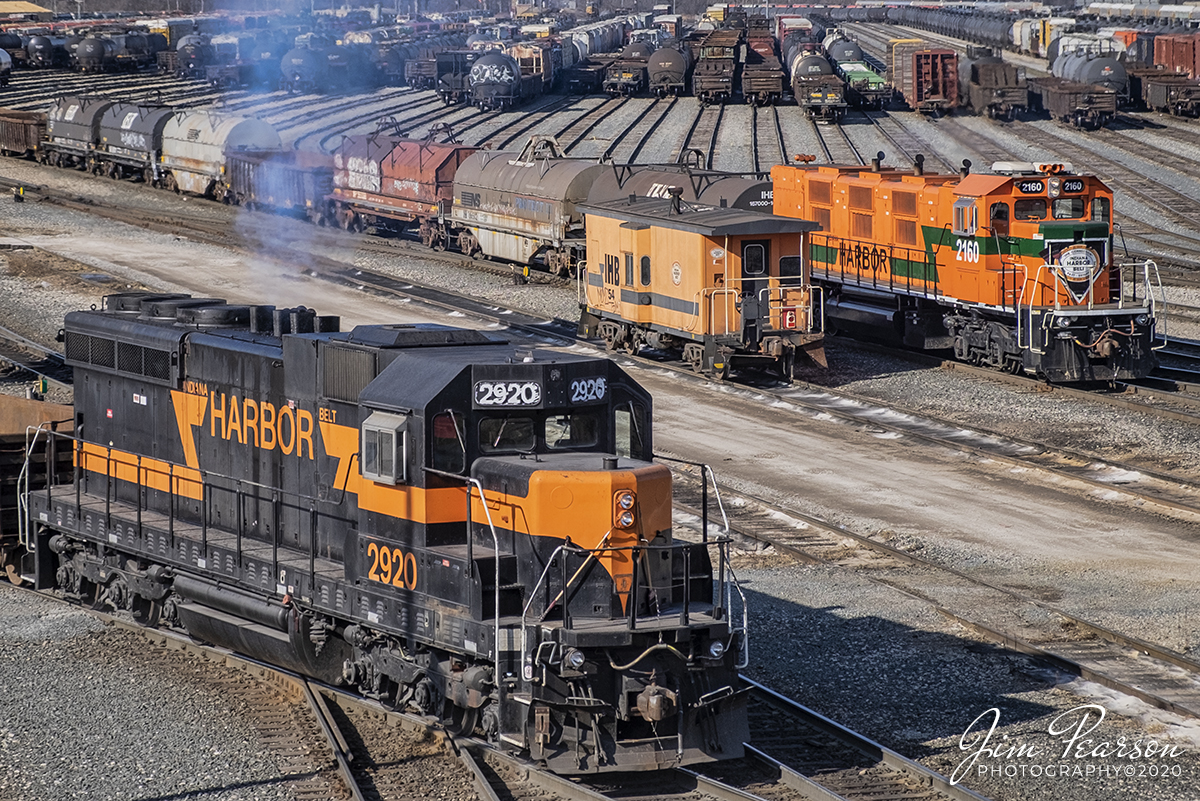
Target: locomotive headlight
(1142, 319)
(1054, 186)
(625, 520)
(1063, 322)
(625, 500)
(716, 649)
(574, 658)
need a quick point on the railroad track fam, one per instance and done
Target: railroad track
(836, 147)
(1008, 616)
(570, 135)
(904, 140)
(626, 148)
(766, 155)
(520, 122)
(26, 356)
(702, 135)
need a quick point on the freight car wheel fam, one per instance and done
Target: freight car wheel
(168, 183)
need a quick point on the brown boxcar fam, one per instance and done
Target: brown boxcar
(393, 181)
(1084, 105)
(926, 77)
(21, 132)
(293, 181)
(1177, 53)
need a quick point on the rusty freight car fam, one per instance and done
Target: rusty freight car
(926, 77)
(389, 181)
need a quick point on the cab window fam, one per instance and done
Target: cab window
(1030, 208)
(513, 434)
(572, 430)
(1068, 208)
(754, 260)
(1100, 210)
(449, 445)
(999, 216)
(791, 271)
(631, 430)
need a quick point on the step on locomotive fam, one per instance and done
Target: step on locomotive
(433, 516)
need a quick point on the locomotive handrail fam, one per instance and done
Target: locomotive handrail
(474, 482)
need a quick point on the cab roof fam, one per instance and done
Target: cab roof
(640, 212)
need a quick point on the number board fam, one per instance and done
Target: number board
(508, 393)
(1072, 185)
(1031, 187)
(588, 390)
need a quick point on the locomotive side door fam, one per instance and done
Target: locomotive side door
(755, 302)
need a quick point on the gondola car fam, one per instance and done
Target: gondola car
(725, 289)
(1013, 270)
(432, 516)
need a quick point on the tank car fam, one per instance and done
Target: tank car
(73, 129)
(1014, 270)
(193, 55)
(1081, 66)
(724, 288)
(626, 75)
(498, 83)
(14, 47)
(668, 71)
(121, 51)
(46, 51)
(130, 141)
(432, 516)
(195, 144)
(817, 90)
(839, 48)
(304, 70)
(523, 207)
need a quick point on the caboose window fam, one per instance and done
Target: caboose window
(1100, 209)
(754, 260)
(384, 445)
(1068, 208)
(573, 430)
(645, 271)
(507, 434)
(628, 269)
(1030, 208)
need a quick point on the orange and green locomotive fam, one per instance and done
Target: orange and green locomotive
(1015, 270)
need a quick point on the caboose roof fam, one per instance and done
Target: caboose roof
(698, 218)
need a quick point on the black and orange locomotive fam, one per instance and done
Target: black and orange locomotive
(430, 515)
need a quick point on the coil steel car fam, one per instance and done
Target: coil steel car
(432, 516)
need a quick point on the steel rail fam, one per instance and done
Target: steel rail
(333, 735)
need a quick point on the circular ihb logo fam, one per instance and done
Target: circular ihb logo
(1078, 262)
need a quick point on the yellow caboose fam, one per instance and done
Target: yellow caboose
(725, 288)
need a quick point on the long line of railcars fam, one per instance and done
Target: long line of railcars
(936, 268)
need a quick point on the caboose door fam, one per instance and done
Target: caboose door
(756, 255)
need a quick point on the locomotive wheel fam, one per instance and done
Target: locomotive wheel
(463, 721)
